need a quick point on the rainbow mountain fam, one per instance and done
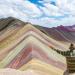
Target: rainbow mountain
(25, 47)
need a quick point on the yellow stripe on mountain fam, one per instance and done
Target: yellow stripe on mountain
(41, 66)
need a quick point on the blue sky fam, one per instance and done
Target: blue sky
(48, 13)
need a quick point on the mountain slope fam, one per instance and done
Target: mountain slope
(61, 34)
(26, 47)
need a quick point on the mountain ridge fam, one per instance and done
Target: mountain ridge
(64, 34)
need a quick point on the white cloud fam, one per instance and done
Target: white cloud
(45, 16)
(67, 6)
(19, 8)
(34, 10)
(54, 10)
(45, 21)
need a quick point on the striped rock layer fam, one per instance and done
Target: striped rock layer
(26, 48)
